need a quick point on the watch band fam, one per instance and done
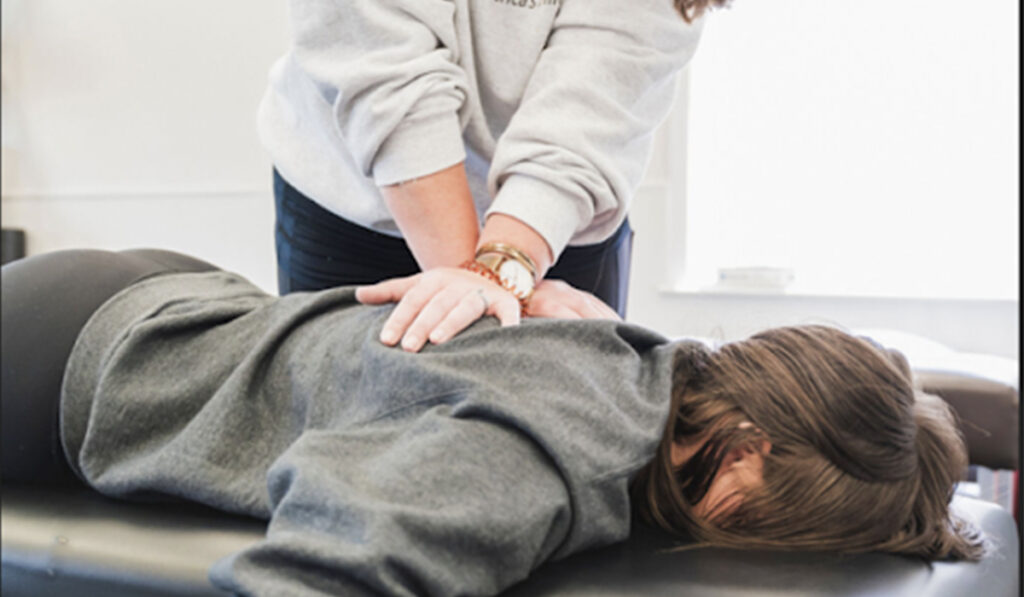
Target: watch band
(514, 268)
(512, 253)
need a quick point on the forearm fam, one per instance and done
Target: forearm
(438, 220)
(436, 216)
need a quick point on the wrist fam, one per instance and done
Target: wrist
(521, 293)
(510, 231)
(514, 269)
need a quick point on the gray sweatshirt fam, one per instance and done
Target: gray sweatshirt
(551, 103)
(454, 471)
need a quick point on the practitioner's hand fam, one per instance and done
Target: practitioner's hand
(557, 299)
(437, 304)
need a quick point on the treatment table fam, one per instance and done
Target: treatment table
(77, 542)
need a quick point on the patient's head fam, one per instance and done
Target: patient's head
(807, 438)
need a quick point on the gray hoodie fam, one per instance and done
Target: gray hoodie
(551, 103)
(454, 471)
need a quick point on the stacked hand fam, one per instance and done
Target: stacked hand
(557, 299)
(438, 304)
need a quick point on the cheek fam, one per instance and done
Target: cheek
(727, 489)
(722, 497)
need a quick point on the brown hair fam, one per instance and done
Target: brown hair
(692, 9)
(859, 459)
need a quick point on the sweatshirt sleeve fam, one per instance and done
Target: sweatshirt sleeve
(576, 148)
(389, 70)
(447, 506)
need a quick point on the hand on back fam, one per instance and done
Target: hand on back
(435, 305)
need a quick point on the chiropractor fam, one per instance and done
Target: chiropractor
(484, 152)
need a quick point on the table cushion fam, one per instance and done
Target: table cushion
(77, 542)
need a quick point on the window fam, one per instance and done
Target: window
(871, 148)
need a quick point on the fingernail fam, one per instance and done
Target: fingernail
(410, 343)
(388, 336)
(436, 336)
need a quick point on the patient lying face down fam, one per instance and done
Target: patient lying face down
(461, 468)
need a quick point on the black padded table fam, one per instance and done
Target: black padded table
(84, 544)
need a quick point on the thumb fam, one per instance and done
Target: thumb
(506, 310)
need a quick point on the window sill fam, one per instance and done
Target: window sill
(814, 294)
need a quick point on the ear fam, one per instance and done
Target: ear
(748, 455)
(755, 450)
(744, 465)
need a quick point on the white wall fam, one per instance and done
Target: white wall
(131, 123)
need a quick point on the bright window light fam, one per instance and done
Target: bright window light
(871, 148)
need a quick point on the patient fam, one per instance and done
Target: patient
(458, 469)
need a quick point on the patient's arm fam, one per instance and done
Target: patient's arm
(448, 506)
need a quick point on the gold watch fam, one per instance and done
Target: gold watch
(514, 268)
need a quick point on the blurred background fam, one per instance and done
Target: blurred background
(825, 162)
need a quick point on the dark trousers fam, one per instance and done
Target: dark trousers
(317, 249)
(47, 300)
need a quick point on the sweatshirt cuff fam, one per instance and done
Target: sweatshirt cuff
(419, 146)
(553, 213)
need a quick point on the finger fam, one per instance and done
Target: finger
(472, 307)
(506, 309)
(436, 309)
(611, 313)
(574, 301)
(594, 308)
(605, 308)
(561, 311)
(590, 307)
(406, 311)
(544, 307)
(588, 311)
(388, 291)
(553, 308)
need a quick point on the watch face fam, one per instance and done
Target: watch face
(517, 276)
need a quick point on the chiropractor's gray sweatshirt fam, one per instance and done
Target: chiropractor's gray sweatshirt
(551, 103)
(454, 471)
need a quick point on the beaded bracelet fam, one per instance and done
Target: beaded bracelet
(482, 270)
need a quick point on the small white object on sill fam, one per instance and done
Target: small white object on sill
(753, 280)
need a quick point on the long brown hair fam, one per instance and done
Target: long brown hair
(692, 9)
(859, 460)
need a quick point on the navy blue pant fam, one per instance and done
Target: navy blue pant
(317, 249)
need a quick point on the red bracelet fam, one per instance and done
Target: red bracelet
(482, 270)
